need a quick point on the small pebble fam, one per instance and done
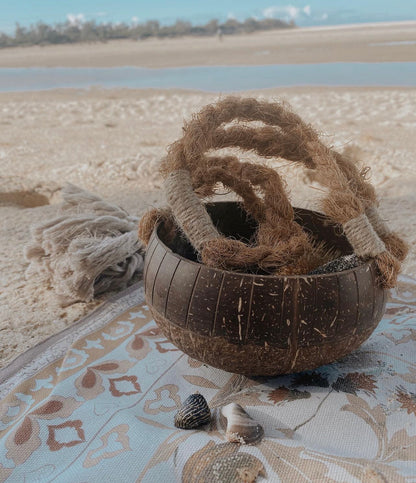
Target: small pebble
(340, 264)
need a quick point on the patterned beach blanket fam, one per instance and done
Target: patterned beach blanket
(96, 403)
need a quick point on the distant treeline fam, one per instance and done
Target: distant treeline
(70, 32)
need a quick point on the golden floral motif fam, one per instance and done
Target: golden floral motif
(90, 384)
(95, 456)
(282, 394)
(135, 386)
(163, 402)
(24, 439)
(354, 382)
(407, 401)
(53, 430)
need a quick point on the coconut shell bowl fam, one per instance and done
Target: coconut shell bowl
(260, 324)
(240, 285)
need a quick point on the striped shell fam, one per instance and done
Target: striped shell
(193, 413)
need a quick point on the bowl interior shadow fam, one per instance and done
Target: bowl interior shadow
(230, 218)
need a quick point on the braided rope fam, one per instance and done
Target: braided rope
(363, 237)
(188, 210)
(281, 244)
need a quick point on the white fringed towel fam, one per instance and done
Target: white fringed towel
(93, 247)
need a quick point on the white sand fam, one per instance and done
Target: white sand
(111, 142)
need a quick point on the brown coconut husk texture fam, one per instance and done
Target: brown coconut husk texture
(281, 246)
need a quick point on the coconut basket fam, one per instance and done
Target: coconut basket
(230, 283)
(260, 324)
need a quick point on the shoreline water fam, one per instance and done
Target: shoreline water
(211, 78)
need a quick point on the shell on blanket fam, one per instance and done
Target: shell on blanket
(237, 468)
(241, 428)
(193, 413)
(340, 264)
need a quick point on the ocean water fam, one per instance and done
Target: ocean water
(212, 78)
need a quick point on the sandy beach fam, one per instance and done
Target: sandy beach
(111, 141)
(395, 42)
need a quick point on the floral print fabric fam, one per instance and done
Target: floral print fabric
(103, 410)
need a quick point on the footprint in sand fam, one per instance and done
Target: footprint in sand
(24, 199)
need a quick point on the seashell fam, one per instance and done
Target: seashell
(238, 468)
(241, 428)
(340, 264)
(193, 413)
(218, 463)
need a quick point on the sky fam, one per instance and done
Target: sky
(303, 12)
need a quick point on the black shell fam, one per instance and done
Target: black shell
(193, 413)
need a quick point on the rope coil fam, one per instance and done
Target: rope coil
(363, 238)
(281, 246)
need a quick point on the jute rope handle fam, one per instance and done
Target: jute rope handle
(349, 199)
(366, 193)
(281, 243)
(268, 141)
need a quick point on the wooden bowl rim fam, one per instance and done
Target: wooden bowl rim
(367, 264)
